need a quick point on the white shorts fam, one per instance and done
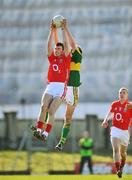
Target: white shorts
(72, 95)
(123, 135)
(56, 89)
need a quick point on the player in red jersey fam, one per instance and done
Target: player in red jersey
(58, 72)
(121, 115)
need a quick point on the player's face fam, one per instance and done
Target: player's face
(86, 134)
(123, 95)
(58, 50)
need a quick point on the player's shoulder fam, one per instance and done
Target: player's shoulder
(115, 102)
(51, 55)
(77, 50)
(82, 140)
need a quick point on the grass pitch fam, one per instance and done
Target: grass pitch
(67, 177)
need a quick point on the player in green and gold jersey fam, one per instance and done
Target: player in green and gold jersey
(73, 86)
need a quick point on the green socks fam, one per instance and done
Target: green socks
(64, 133)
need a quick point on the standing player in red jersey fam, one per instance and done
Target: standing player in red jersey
(58, 73)
(121, 115)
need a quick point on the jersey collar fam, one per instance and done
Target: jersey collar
(124, 102)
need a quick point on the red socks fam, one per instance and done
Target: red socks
(117, 165)
(40, 124)
(48, 128)
(122, 163)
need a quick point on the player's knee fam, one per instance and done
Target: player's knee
(123, 153)
(116, 150)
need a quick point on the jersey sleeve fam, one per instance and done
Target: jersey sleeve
(131, 119)
(129, 106)
(51, 57)
(112, 107)
(81, 141)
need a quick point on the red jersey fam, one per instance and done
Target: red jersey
(122, 115)
(59, 67)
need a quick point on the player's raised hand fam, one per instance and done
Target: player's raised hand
(129, 106)
(105, 124)
(64, 23)
(52, 25)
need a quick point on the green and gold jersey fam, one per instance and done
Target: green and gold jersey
(74, 78)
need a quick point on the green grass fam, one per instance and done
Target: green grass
(67, 177)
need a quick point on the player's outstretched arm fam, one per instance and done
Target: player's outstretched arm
(50, 39)
(56, 38)
(65, 40)
(71, 40)
(108, 117)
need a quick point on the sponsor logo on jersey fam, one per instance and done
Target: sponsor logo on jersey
(61, 60)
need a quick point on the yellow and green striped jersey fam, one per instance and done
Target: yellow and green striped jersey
(74, 78)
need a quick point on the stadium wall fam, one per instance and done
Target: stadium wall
(101, 27)
(18, 134)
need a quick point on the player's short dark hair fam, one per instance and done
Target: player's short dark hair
(123, 88)
(60, 44)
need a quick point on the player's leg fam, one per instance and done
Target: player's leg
(123, 152)
(54, 105)
(72, 100)
(45, 101)
(40, 125)
(116, 153)
(82, 162)
(66, 127)
(90, 164)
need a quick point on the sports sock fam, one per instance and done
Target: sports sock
(47, 129)
(117, 165)
(39, 125)
(122, 163)
(64, 132)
